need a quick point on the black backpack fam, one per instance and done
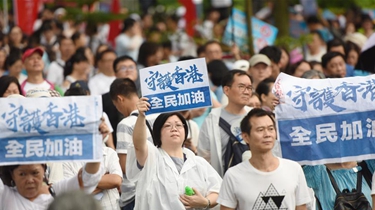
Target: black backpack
(347, 200)
(234, 149)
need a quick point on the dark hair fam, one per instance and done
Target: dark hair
(75, 91)
(14, 56)
(217, 70)
(255, 112)
(121, 59)
(62, 37)
(264, 87)
(209, 43)
(124, 87)
(326, 58)
(313, 63)
(294, 67)
(272, 52)
(319, 33)
(146, 50)
(336, 43)
(351, 46)
(77, 57)
(6, 174)
(159, 123)
(174, 18)
(100, 56)
(128, 24)
(229, 77)
(201, 49)
(366, 17)
(186, 57)
(167, 44)
(76, 36)
(313, 20)
(5, 81)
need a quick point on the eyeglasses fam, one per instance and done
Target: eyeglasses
(126, 68)
(243, 87)
(178, 126)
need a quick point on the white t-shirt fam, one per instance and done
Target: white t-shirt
(110, 164)
(244, 187)
(29, 86)
(159, 184)
(100, 83)
(11, 199)
(56, 72)
(126, 45)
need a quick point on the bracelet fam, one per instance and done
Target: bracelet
(208, 204)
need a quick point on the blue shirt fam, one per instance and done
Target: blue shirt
(317, 178)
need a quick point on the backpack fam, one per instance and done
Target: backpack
(234, 148)
(346, 200)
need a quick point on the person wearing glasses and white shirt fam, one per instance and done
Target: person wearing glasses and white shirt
(162, 170)
(213, 139)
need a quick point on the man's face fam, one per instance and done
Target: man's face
(240, 91)
(262, 134)
(213, 52)
(105, 64)
(126, 69)
(336, 67)
(120, 104)
(67, 47)
(259, 72)
(34, 63)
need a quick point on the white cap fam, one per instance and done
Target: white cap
(241, 65)
(16, 96)
(38, 93)
(259, 58)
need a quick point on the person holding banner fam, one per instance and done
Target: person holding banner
(165, 168)
(25, 187)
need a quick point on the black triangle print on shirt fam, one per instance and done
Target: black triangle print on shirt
(270, 200)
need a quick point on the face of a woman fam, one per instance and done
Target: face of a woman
(173, 131)
(352, 58)
(29, 180)
(16, 68)
(16, 35)
(12, 89)
(81, 66)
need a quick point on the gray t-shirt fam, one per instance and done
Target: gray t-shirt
(230, 118)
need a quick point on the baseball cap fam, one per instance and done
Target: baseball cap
(241, 65)
(29, 52)
(42, 93)
(80, 84)
(259, 58)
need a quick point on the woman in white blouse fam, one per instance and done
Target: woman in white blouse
(163, 169)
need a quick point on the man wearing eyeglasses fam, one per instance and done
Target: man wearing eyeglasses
(213, 139)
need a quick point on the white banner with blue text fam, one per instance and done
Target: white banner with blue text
(326, 120)
(176, 86)
(39, 130)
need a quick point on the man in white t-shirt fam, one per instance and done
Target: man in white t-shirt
(99, 84)
(34, 65)
(124, 96)
(55, 72)
(267, 182)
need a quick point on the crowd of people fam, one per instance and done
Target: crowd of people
(149, 159)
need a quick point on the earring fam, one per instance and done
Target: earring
(12, 183)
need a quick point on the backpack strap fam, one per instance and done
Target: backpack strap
(226, 127)
(318, 204)
(147, 123)
(334, 184)
(366, 173)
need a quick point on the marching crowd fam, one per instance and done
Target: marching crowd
(149, 159)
